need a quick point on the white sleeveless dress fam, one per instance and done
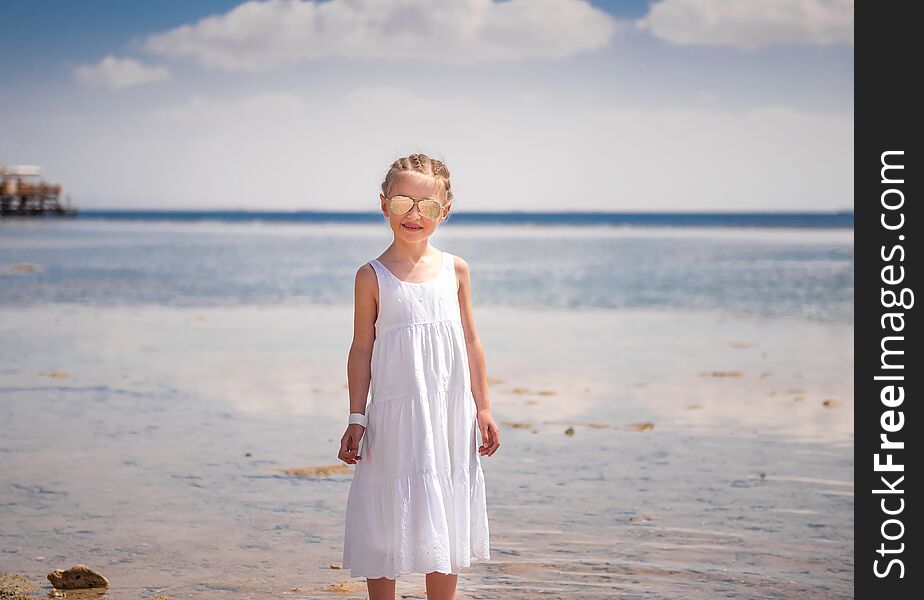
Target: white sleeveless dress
(417, 499)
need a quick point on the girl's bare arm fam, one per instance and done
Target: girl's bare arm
(359, 362)
(490, 433)
(476, 361)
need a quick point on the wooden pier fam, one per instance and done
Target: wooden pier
(24, 194)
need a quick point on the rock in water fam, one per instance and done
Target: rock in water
(77, 577)
(23, 268)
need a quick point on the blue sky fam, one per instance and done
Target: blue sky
(533, 104)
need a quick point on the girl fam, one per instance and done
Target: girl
(417, 500)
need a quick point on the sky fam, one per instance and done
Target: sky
(534, 105)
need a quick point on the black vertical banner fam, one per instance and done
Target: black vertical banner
(888, 374)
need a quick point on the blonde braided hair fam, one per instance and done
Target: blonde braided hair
(418, 163)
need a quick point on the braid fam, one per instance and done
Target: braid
(439, 170)
(419, 163)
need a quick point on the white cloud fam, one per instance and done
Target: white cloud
(751, 24)
(118, 73)
(278, 33)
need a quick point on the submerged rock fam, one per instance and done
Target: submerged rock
(322, 471)
(77, 577)
(344, 587)
(646, 426)
(740, 344)
(721, 374)
(55, 374)
(23, 268)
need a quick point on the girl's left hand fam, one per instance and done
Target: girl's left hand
(490, 434)
(349, 444)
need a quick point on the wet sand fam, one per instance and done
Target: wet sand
(644, 454)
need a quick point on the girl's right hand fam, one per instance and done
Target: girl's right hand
(349, 444)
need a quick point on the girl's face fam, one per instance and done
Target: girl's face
(412, 226)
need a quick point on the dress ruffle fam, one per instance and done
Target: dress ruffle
(404, 519)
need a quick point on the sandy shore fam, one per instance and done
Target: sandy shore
(645, 454)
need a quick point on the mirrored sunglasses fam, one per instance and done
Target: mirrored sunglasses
(399, 205)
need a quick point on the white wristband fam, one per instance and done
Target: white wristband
(358, 419)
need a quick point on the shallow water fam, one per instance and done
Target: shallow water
(804, 273)
(144, 441)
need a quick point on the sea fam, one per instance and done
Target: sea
(762, 264)
(674, 395)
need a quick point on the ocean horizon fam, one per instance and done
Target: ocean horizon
(808, 219)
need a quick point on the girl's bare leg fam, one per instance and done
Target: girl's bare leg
(382, 588)
(441, 586)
